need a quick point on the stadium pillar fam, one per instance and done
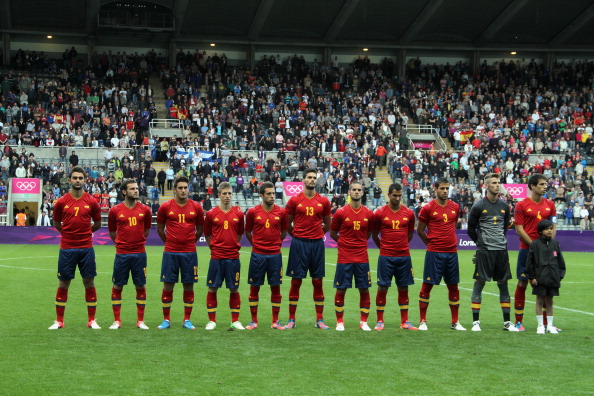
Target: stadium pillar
(549, 60)
(475, 61)
(172, 53)
(90, 49)
(401, 64)
(6, 49)
(251, 56)
(327, 56)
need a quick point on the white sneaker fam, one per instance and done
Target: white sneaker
(364, 326)
(552, 330)
(237, 325)
(56, 325)
(540, 329)
(340, 326)
(423, 326)
(141, 325)
(476, 325)
(210, 325)
(509, 326)
(116, 325)
(457, 326)
(93, 325)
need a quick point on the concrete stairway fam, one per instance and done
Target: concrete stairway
(384, 180)
(158, 95)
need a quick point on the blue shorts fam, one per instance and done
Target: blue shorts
(126, 264)
(223, 269)
(69, 259)
(270, 265)
(175, 263)
(399, 268)
(343, 279)
(306, 255)
(438, 265)
(521, 266)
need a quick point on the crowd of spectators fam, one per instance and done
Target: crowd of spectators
(350, 120)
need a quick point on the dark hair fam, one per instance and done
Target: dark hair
(394, 186)
(534, 179)
(441, 180)
(180, 178)
(309, 170)
(490, 176)
(126, 182)
(264, 186)
(77, 169)
(543, 225)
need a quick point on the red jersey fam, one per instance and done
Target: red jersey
(308, 215)
(529, 213)
(223, 228)
(441, 225)
(75, 215)
(180, 225)
(266, 228)
(129, 225)
(394, 227)
(353, 227)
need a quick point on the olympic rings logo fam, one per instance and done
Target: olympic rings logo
(26, 186)
(294, 189)
(515, 190)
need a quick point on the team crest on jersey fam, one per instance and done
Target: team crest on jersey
(502, 211)
(235, 219)
(404, 218)
(365, 219)
(548, 209)
(453, 212)
(141, 214)
(319, 204)
(192, 213)
(276, 218)
(87, 207)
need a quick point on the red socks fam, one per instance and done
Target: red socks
(364, 303)
(294, 296)
(140, 303)
(519, 301)
(116, 303)
(403, 304)
(275, 300)
(166, 299)
(318, 297)
(91, 297)
(234, 305)
(454, 297)
(211, 306)
(339, 305)
(188, 304)
(424, 300)
(254, 299)
(61, 300)
(380, 304)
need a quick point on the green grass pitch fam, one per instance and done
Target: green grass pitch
(303, 361)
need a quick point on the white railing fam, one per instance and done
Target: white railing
(3, 219)
(166, 123)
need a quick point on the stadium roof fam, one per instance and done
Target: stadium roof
(464, 24)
